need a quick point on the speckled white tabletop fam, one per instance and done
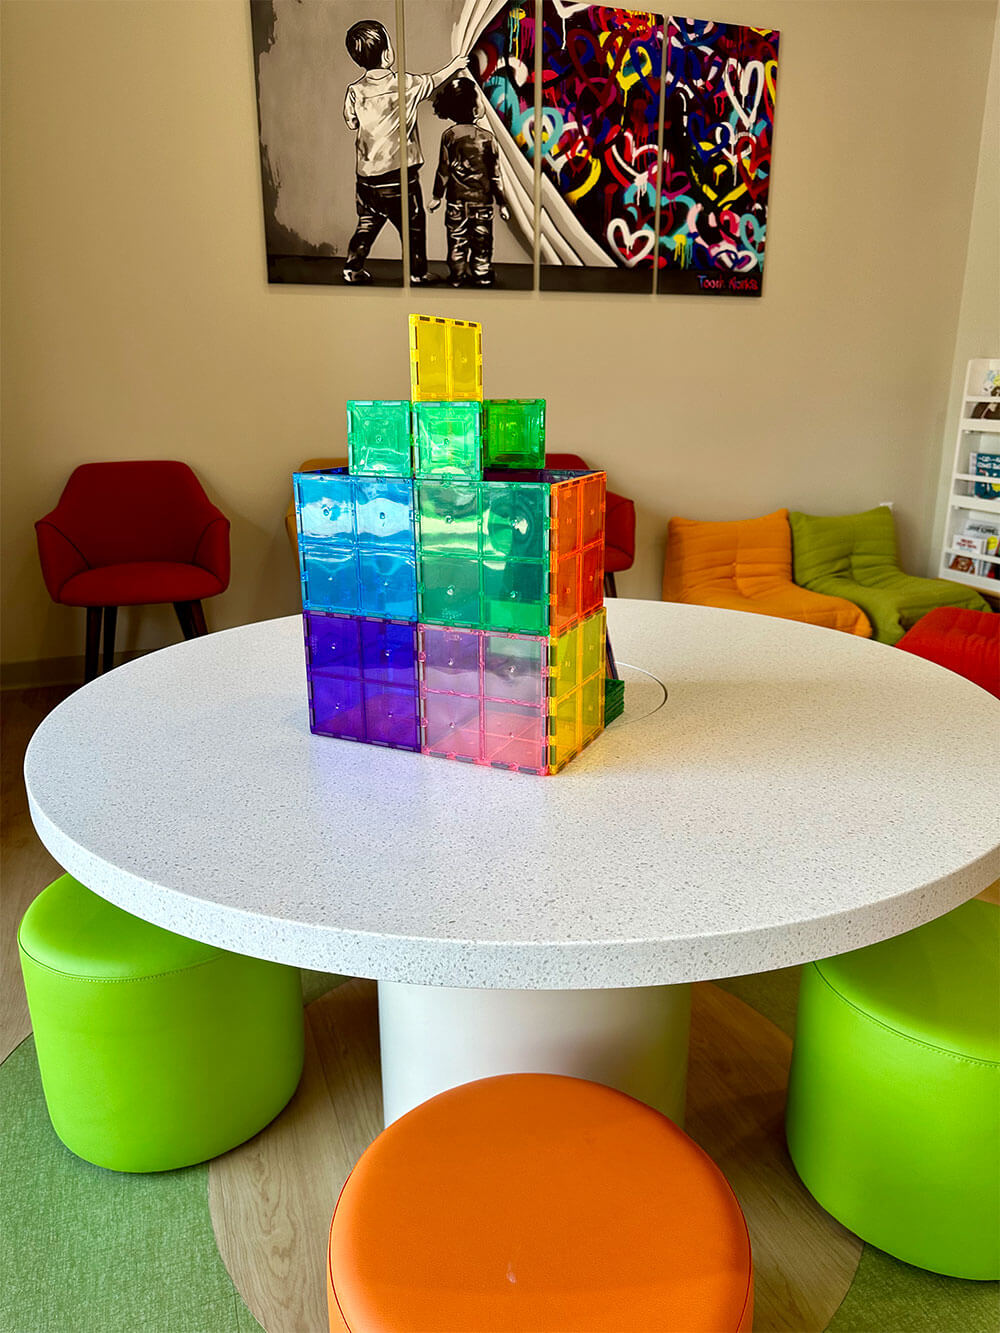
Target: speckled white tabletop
(799, 793)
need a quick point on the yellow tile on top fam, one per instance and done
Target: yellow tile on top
(446, 359)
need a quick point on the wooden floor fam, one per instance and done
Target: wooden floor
(271, 1199)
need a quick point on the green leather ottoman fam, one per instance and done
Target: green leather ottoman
(893, 1118)
(155, 1051)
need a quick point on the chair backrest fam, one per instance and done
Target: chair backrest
(859, 547)
(117, 513)
(566, 462)
(750, 555)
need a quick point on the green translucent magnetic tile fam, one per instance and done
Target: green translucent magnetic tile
(614, 699)
(516, 596)
(448, 591)
(514, 432)
(447, 439)
(378, 438)
(446, 359)
(515, 520)
(447, 515)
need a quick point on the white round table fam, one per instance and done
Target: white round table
(793, 793)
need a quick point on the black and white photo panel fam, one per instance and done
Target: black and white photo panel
(332, 175)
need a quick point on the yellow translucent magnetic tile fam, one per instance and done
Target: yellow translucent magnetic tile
(564, 728)
(592, 708)
(565, 662)
(446, 359)
(592, 633)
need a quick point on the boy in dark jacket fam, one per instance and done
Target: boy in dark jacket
(468, 178)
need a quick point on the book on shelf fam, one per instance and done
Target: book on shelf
(985, 465)
(979, 537)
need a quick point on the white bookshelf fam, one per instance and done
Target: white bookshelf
(975, 435)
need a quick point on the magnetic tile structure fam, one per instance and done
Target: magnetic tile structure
(452, 586)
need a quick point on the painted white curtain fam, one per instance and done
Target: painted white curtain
(563, 240)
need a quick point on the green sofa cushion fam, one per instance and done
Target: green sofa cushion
(854, 556)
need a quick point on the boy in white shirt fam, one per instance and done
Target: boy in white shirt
(371, 109)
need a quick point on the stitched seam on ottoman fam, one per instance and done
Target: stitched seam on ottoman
(118, 981)
(905, 1036)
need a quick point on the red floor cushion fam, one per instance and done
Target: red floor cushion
(964, 641)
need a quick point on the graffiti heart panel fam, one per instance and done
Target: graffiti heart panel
(719, 94)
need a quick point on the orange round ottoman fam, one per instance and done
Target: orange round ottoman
(536, 1203)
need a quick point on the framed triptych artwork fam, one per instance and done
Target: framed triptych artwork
(583, 147)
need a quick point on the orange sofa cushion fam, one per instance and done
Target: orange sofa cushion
(747, 566)
(536, 1203)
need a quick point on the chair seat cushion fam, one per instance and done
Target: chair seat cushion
(535, 1201)
(854, 556)
(793, 603)
(747, 566)
(615, 560)
(964, 641)
(140, 584)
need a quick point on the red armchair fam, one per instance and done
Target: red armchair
(619, 525)
(133, 534)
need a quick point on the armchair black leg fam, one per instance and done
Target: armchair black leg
(110, 624)
(93, 642)
(198, 618)
(609, 585)
(183, 610)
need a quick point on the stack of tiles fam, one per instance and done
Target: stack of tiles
(452, 587)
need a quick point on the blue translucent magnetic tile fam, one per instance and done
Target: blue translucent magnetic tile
(392, 716)
(450, 662)
(384, 512)
(329, 577)
(389, 652)
(448, 517)
(515, 520)
(333, 644)
(388, 583)
(378, 438)
(512, 669)
(323, 503)
(336, 707)
(516, 596)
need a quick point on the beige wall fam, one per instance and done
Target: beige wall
(979, 316)
(137, 322)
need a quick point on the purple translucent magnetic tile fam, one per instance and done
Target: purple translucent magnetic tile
(514, 735)
(392, 716)
(388, 583)
(451, 660)
(389, 652)
(333, 644)
(337, 707)
(451, 725)
(512, 668)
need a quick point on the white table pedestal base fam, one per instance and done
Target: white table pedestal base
(435, 1037)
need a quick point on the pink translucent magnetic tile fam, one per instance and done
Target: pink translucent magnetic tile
(450, 663)
(514, 735)
(451, 726)
(513, 668)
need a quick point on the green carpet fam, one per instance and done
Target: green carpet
(91, 1251)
